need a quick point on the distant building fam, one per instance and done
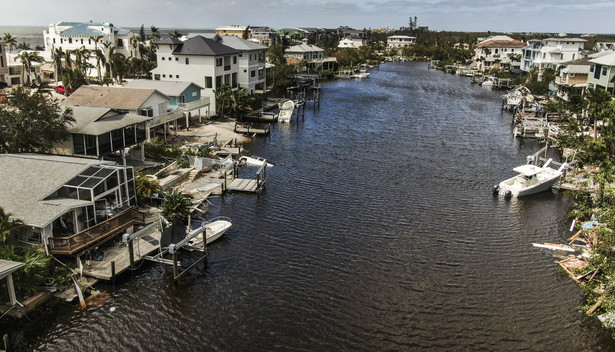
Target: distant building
(604, 46)
(400, 41)
(498, 50)
(463, 46)
(314, 55)
(264, 35)
(352, 42)
(549, 53)
(572, 77)
(234, 30)
(91, 36)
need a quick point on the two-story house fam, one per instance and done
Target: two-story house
(498, 50)
(602, 73)
(557, 50)
(314, 55)
(530, 53)
(352, 42)
(149, 103)
(234, 30)
(200, 60)
(184, 95)
(571, 78)
(264, 35)
(251, 75)
(91, 36)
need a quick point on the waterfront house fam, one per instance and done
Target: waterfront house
(571, 78)
(91, 36)
(313, 55)
(68, 204)
(100, 132)
(199, 60)
(144, 102)
(602, 73)
(351, 42)
(553, 51)
(184, 95)
(251, 74)
(530, 53)
(496, 51)
(15, 74)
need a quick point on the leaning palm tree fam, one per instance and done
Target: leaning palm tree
(26, 59)
(56, 56)
(155, 33)
(10, 41)
(134, 41)
(145, 187)
(101, 60)
(176, 34)
(24, 46)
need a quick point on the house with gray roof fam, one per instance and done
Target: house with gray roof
(602, 73)
(91, 35)
(69, 204)
(149, 103)
(200, 60)
(251, 75)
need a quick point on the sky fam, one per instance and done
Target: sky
(554, 16)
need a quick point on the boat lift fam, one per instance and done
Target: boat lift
(174, 248)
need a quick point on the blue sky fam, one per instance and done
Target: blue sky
(572, 16)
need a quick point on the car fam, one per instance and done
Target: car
(62, 90)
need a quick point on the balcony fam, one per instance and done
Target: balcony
(166, 117)
(194, 104)
(95, 235)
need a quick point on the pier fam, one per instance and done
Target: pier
(252, 129)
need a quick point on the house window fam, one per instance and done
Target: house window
(187, 61)
(164, 76)
(89, 41)
(208, 82)
(253, 73)
(176, 59)
(227, 80)
(120, 43)
(54, 40)
(591, 68)
(218, 61)
(146, 112)
(176, 76)
(604, 69)
(163, 58)
(61, 40)
(70, 40)
(218, 82)
(234, 60)
(240, 55)
(170, 58)
(81, 41)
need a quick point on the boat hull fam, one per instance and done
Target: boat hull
(519, 188)
(213, 231)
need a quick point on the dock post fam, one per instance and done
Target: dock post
(5, 339)
(113, 271)
(131, 255)
(173, 251)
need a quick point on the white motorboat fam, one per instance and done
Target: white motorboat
(530, 179)
(361, 74)
(213, 230)
(254, 161)
(286, 111)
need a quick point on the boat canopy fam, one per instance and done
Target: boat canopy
(528, 169)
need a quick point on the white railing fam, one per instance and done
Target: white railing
(166, 117)
(194, 104)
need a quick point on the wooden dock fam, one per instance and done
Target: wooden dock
(117, 258)
(253, 129)
(237, 184)
(244, 185)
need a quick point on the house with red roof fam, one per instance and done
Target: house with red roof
(499, 50)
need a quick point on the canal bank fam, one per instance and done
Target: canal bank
(377, 230)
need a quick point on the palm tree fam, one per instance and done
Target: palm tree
(175, 206)
(101, 59)
(24, 46)
(10, 41)
(134, 41)
(8, 225)
(155, 33)
(116, 63)
(595, 106)
(26, 59)
(56, 55)
(176, 34)
(239, 103)
(222, 95)
(145, 187)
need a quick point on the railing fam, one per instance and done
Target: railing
(194, 104)
(95, 234)
(166, 117)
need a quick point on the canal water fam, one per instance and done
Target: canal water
(377, 232)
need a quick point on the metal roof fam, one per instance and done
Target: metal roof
(8, 267)
(27, 179)
(202, 46)
(95, 121)
(81, 30)
(607, 60)
(110, 97)
(303, 48)
(231, 41)
(170, 88)
(168, 40)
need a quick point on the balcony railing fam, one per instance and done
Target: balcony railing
(96, 234)
(194, 104)
(166, 117)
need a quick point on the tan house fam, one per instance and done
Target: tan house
(572, 77)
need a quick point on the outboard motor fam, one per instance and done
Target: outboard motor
(507, 194)
(495, 189)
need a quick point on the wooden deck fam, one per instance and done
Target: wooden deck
(120, 256)
(243, 185)
(252, 129)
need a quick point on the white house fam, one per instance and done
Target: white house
(200, 60)
(400, 41)
(251, 75)
(351, 42)
(314, 55)
(557, 50)
(91, 36)
(498, 50)
(602, 73)
(264, 35)
(530, 53)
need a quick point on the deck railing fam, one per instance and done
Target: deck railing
(98, 233)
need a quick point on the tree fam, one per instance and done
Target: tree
(176, 34)
(145, 187)
(24, 46)
(30, 123)
(10, 41)
(56, 56)
(239, 103)
(26, 59)
(595, 105)
(142, 36)
(155, 34)
(8, 225)
(223, 98)
(175, 206)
